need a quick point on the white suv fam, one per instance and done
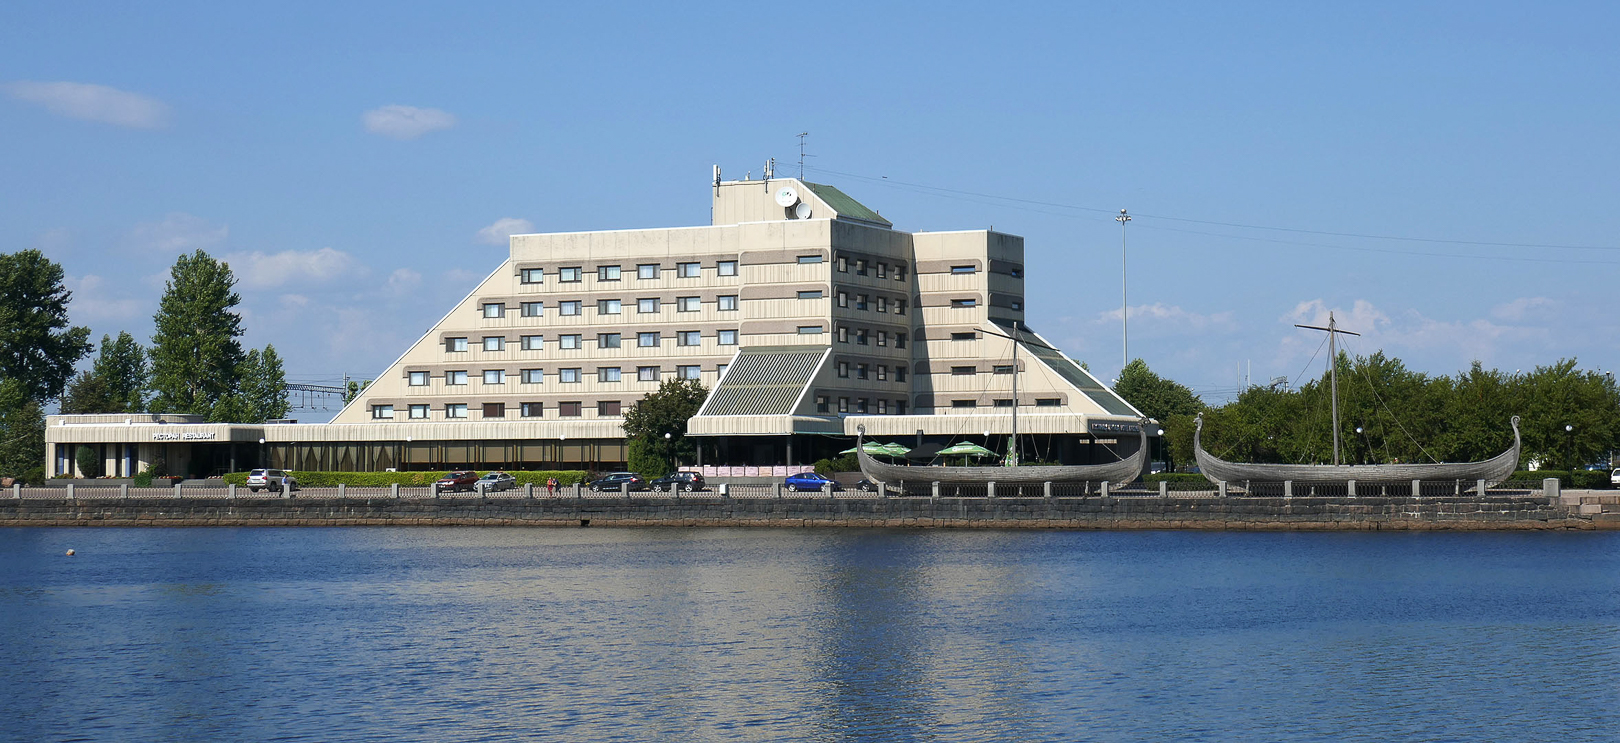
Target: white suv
(271, 480)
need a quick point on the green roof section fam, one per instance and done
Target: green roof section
(846, 206)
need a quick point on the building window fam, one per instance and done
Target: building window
(882, 373)
(882, 405)
(419, 412)
(533, 376)
(569, 275)
(570, 342)
(1017, 306)
(382, 412)
(860, 336)
(964, 336)
(843, 267)
(455, 410)
(843, 405)
(814, 294)
(900, 275)
(964, 371)
(607, 273)
(899, 406)
(726, 268)
(1016, 273)
(494, 343)
(532, 343)
(494, 310)
(607, 408)
(494, 410)
(646, 373)
(648, 340)
(532, 275)
(843, 300)
(647, 270)
(899, 306)
(532, 309)
(861, 406)
(455, 378)
(532, 410)
(494, 376)
(1001, 369)
(419, 379)
(455, 345)
(899, 340)
(964, 269)
(1003, 402)
(720, 370)
(608, 374)
(964, 403)
(843, 334)
(883, 337)
(607, 340)
(843, 370)
(688, 338)
(570, 308)
(688, 270)
(861, 371)
(726, 302)
(810, 330)
(882, 304)
(860, 267)
(1047, 402)
(810, 259)
(822, 405)
(647, 305)
(609, 306)
(883, 270)
(900, 374)
(568, 409)
(688, 304)
(689, 371)
(860, 302)
(568, 376)
(964, 302)
(726, 337)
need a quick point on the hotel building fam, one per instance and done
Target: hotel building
(802, 311)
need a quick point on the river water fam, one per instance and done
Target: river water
(472, 634)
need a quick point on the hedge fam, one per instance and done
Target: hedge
(1579, 479)
(408, 479)
(1175, 477)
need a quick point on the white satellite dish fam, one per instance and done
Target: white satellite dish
(786, 196)
(802, 211)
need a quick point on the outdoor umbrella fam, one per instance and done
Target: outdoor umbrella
(965, 449)
(872, 447)
(896, 449)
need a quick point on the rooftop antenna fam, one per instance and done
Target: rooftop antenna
(802, 135)
(770, 168)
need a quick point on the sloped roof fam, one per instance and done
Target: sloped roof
(845, 205)
(764, 381)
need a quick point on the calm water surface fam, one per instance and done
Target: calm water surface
(820, 635)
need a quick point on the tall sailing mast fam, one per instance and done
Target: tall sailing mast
(1333, 372)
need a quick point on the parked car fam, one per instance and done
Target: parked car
(810, 481)
(457, 481)
(684, 481)
(495, 482)
(1614, 477)
(271, 480)
(613, 481)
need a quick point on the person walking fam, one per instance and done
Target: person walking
(551, 486)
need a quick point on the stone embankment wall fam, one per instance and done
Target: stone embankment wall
(1365, 513)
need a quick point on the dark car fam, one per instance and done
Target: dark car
(684, 481)
(457, 481)
(810, 481)
(614, 481)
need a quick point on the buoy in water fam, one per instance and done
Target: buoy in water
(70, 553)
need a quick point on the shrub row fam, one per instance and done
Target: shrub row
(1175, 477)
(407, 479)
(1579, 479)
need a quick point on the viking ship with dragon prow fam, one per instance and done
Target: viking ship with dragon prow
(1217, 470)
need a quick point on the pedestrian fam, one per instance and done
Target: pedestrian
(551, 486)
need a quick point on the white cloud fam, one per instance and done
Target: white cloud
(1523, 308)
(94, 298)
(178, 233)
(1414, 336)
(403, 281)
(262, 270)
(503, 229)
(93, 103)
(1159, 315)
(406, 122)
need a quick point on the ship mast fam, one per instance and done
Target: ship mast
(1333, 373)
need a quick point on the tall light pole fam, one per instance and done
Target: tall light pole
(1124, 297)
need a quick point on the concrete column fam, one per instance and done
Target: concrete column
(230, 491)
(1288, 488)
(393, 490)
(343, 490)
(70, 491)
(286, 490)
(579, 490)
(1046, 489)
(990, 489)
(936, 490)
(177, 490)
(1220, 487)
(776, 489)
(16, 490)
(1164, 489)
(1480, 487)
(1352, 491)
(1105, 488)
(1417, 488)
(1550, 487)
(123, 490)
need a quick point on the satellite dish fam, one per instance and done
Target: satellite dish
(802, 211)
(786, 196)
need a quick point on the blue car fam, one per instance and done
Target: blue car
(810, 481)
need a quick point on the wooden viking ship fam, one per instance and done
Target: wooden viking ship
(1124, 471)
(1492, 471)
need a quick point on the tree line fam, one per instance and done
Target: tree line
(195, 363)
(1570, 418)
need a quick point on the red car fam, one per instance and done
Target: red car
(456, 481)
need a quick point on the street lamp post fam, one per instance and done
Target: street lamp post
(1124, 297)
(669, 451)
(1569, 447)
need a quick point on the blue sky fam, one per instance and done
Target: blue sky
(352, 162)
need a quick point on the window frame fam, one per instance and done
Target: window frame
(725, 268)
(570, 274)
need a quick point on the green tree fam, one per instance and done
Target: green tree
(22, 433)
(88, 393)
(264, 386)
(353, 389)
(121, 365)
(196, 354)
(37, 347)
(665, 411)
(88, 460)
(1170, 403)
